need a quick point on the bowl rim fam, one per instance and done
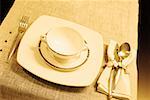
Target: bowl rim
(84, 43)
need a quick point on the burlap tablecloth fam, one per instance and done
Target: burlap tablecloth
(113, 19)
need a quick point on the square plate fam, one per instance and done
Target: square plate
(28, 55)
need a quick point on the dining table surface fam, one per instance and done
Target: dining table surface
(113, 19)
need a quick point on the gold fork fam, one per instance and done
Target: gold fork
(23, 24)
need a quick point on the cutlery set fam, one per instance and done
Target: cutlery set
(114, 80)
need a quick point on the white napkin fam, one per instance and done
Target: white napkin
(121, 83)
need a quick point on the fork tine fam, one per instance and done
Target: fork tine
(24, 19)
(23, 22)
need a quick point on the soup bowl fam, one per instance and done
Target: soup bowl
(64, 44)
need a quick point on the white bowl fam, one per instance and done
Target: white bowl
(65, 43)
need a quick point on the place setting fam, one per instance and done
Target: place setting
(70, 54)
(61, 52)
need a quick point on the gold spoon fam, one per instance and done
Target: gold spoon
(120, 53)
(123, 53)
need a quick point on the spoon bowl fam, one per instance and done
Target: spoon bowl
(124, 50)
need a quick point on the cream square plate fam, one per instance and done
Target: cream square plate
(28, 55)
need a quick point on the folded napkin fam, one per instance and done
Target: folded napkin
(120, 86)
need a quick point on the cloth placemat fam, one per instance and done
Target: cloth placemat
(117, 20)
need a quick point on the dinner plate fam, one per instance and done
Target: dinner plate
(28, 55)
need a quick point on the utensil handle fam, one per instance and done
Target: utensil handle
(14, 46)
(110, 84)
